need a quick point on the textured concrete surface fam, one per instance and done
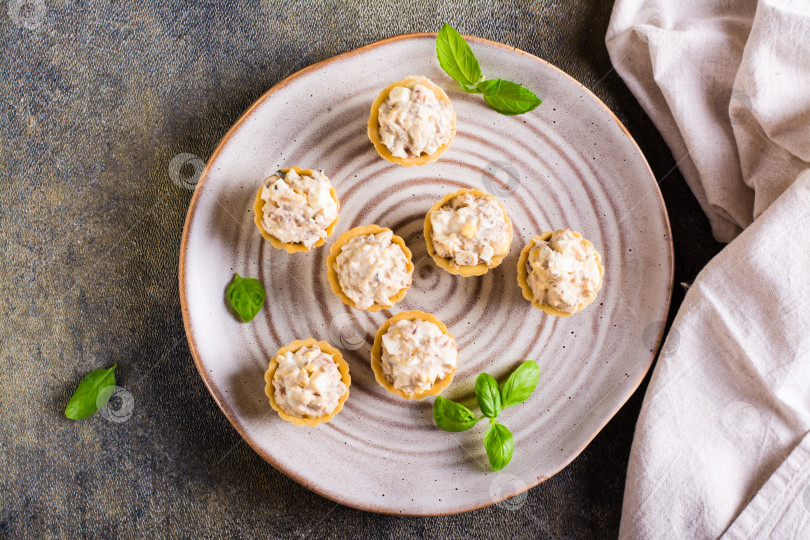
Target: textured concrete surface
(95, 101)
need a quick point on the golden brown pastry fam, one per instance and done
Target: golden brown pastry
(296, 209)
(560, 272)
(414, 356)
(412, 122)
(369, 268)
(468, 232)
(307, 382)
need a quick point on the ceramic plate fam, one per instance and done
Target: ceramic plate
(568, 163)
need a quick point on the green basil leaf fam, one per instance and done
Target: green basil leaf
(512, 99)
(488, 394)
(521, 383)
(470, 89)
(456, 57)
(246, 295)
(85, 400)
(500, 445)
(452, 416)
(490, 87)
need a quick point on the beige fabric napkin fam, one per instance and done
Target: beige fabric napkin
(722, 444)
(726, 82)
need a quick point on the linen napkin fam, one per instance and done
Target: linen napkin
(721, 445)
(726, 83)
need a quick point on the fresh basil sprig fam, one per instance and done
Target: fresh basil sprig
(500, 445)
(452, 416)
(520, 384)
(457, 59)
(246, 295)
(498, 441)
(488, 395)
(85, 400)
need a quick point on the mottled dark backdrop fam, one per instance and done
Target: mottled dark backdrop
(95, 101)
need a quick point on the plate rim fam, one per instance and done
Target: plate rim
(217, 395)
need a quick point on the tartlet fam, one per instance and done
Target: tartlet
(335, 251)
(465, 270)
(291, 247)
(523, 275)
(377, 354)
(374, 122)
(343, 369)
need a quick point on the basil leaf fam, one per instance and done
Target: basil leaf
(452, 416)
(470, 89)
(500, 445)
(456, 57)
(84, 401)
(488, 394)
(521, 383)
(246, 295)
(512, 99)
(490, 87)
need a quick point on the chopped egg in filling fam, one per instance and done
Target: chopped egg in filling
(416, 354)
(469, 230)
(298, 208)
(371, 269)
(308, 383)
(414, 122)
(563, 272)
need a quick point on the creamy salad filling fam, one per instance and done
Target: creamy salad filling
(469, 230)
(298, 208)
(371, 269)
(563, 272)
(414, 122)
(416, 354)
(308, 383)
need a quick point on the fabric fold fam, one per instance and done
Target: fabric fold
(721, 442)
(725, 82)
(730, 396)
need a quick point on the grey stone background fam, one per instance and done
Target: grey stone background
(95, 100)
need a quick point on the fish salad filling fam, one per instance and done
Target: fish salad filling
(298, 208)
(470, 229)
(416, 354)
(308, 383)
(371, 269)
(414, 121)
(563, 272)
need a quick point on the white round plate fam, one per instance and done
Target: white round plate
(568, 163)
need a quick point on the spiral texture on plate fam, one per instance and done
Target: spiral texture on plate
(569, 163)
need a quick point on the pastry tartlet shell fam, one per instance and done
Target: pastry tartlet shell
(334, 251)
(523, 276)
(291, 247)
(468, 270)
(376, 355)
(342, 366)
(374, 125)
